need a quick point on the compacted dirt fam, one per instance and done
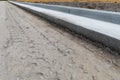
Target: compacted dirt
(33, 49)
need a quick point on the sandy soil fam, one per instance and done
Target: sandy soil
(33, 49)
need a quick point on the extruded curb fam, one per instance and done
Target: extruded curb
(91, 28)
(108, 16)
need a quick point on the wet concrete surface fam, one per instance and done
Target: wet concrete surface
(91, 5)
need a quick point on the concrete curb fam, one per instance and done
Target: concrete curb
(108, 16)
(108, 41)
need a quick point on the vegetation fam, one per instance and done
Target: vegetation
(112, 1)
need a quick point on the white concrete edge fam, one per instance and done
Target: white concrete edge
(92, 10)
(109, 29)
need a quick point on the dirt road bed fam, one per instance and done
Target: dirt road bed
(33, 49)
